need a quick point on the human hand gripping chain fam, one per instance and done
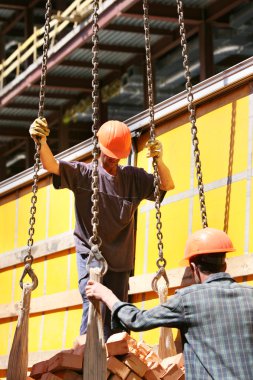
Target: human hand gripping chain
(154, 149)
(39, 130)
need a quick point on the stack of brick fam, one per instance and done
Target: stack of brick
(127, 359)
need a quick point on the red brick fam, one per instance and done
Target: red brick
(173, 373)
(68, 375)
(143, 348)
(176, 359)
(133, 376)
(157, 368)
(117, 344)
(38, 369)
(135, 364)
(117, 367)
(64, 360)
(49, 376)
(150, 375)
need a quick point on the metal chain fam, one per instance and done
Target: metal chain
(161, 262)
(44, 59)
(95, 239)
(192, 117)
(28, 259)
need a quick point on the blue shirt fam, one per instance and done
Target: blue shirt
(216, 323)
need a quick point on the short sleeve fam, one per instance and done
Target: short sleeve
(70, 172)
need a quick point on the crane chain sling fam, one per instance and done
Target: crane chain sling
(18, 358)
(94, 364)
(166, 345)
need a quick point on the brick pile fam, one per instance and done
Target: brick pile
(127, 359)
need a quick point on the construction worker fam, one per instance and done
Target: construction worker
(214, 316)
(121, 189)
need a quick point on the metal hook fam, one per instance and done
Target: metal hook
(28, 270)
(95, 254)
(161, 273)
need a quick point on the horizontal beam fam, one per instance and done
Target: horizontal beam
(33, 358)
(239, 266)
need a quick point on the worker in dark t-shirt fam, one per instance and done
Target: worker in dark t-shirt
(120, 189)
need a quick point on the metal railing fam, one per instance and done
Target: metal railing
(77, 12)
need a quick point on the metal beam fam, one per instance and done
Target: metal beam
(220, 8)
(192, 16)
(75, 42)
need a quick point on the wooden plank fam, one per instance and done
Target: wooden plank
(34, 357)
(43, 248)
(239, 266)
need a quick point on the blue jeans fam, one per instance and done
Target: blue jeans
(118, 282)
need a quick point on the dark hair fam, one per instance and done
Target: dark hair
(211, 263)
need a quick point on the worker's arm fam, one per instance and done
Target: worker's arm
(126, 315)
(39, 129)
(155, 149)
(100, 292)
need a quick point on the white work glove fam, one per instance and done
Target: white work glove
(155, 149)
(39, 128)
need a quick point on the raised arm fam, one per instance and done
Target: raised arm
(39, 128)
(155, 149)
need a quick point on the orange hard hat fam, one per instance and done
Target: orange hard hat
(207, 241)
(115, 139)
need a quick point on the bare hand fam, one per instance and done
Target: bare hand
(39, 128)
(155, 149)
(95, 290)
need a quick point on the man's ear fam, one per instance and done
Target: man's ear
(192, 266)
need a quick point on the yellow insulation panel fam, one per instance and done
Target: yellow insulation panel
(6, 276)
(59, 206)
(7, 226)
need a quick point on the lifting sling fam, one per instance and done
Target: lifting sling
(166, 345)
(192, 111)
(94, 364)
(18, 358)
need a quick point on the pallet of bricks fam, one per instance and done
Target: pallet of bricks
(127, 359)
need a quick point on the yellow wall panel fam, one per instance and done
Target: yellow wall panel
(177, 155)
(214, 131)
(175, 231)
(23, 219)
(57, 273)
(174, 218)
(4, 334)
(59, 211)
(74, 320)
(6, 277)
(7, 226)
(53, 331)
(34, 332)
(215, 204)
(40, 216)
(73, 281)
(38, 267)
(140, 242)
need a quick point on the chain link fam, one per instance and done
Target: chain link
(44, 59)
(95, 239)
(28, 259)
(192, 111)
(161, 262)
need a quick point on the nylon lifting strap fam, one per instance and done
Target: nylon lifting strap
(94, 364)
(192, 111)
(166, 345)
(18, 358)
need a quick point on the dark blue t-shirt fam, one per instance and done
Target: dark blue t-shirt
(119, 196)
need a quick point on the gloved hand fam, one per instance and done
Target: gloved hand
(155, 149)
(39, 128)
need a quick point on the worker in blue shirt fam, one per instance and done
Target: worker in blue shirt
(214, 316)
